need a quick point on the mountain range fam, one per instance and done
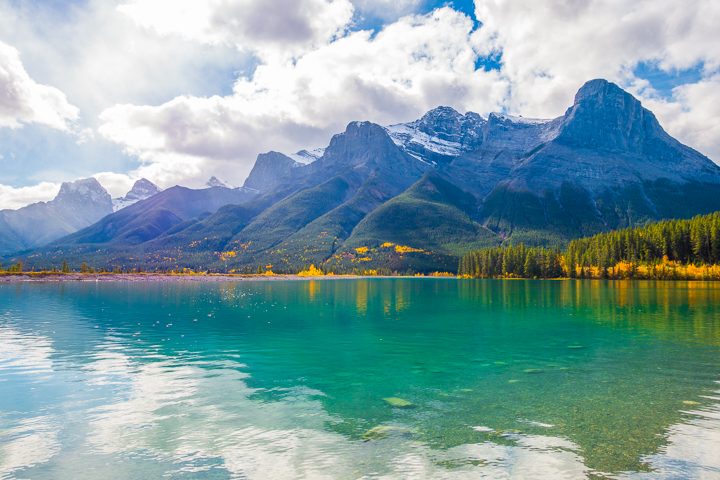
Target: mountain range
(415, 196)
(77, 205)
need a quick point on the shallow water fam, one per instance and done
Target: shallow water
(287, 379)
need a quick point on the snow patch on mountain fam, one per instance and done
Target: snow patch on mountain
(306, 157)
(441, 134)
(406, 136)
(87, 189)
(141, 190)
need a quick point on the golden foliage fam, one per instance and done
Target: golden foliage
(311, 271)
(664, 270)
(362, 250)
(225, 256)
(406, 249)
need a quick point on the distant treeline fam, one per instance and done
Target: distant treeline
(668, 249)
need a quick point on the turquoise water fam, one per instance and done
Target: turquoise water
(287, 379)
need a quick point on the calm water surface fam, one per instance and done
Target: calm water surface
(287, 379)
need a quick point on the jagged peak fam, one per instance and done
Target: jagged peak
(142, 188)
(363, 128)
(144, 183)
(358, 133)
(441, 112)
(215, 182)
(606, 117)
(274, 156)
(85, 187)
(603, 92)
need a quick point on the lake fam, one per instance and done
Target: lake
(376, 378)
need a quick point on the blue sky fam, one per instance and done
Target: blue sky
(179, 90)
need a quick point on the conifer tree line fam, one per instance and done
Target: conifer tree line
(686, 242)
(512, 261)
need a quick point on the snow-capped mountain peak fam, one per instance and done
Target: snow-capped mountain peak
(84, 190)
(141, 190)
(441, 134)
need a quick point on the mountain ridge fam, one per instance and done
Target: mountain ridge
(605, 163)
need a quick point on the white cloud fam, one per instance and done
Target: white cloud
(409, 67)
(280, 28)
(692, 114)
(99, 57)
(22, 100)
(303, 74)
(117, 184)
(16, 197)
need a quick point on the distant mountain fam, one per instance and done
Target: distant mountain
(149, 218)
(215, 182)
(270, 170)
(141, 190)
(77, 205)
(418, 195)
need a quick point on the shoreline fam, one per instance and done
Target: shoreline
(156, 277)
(54, 277)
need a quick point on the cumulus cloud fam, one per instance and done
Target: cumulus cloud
(22, 100)
(412, 65)
(303, 70)
(270, 29)
(16, 197)
(99, 56)
(692, 114)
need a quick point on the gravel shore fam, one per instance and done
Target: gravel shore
(151, 277)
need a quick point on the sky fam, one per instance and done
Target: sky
(177, 91)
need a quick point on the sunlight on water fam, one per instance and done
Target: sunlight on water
(398, 378)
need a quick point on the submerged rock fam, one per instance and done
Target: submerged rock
(532, 370)
(397, 402)
(384, 431)
(690, 402)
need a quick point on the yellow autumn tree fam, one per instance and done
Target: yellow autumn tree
(311, 271)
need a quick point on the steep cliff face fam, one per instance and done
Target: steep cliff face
(606, 163)
(270, 170)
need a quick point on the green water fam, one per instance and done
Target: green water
(287, 379)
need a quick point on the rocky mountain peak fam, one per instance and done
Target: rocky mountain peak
(270, 170)
(215, 182)
(357, 142)
(440, 116)
(606, 117)
(440, 135)
(362, 131)
(142, 189)
(83, 190)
